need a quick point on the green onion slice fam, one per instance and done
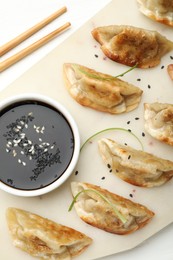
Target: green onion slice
(95, 76)
(118, 214)
(111, 129)
(127, 71)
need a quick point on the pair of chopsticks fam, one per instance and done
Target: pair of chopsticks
(28, 50)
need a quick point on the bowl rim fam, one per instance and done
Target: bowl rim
(57, 105)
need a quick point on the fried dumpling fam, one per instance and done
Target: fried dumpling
(134, 166)
(159, 121)
(170, 70)
(100, 91)
(158, 10)
(44, 238)
(131, 45)
(108, 211)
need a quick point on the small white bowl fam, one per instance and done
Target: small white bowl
(40, 144)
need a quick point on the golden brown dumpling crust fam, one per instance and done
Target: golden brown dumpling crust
(131, 45)
(133, 166)
(44, 238)
(94, 210)
(158, 10)
(170, 70)
(100, 91)
(159, 121)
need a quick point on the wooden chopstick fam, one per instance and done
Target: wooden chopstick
(13, 43)
(28, 50)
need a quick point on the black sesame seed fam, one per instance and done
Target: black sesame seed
(103, 178)
(162, 67)
(76, 172)
(143, 134)
(108, 165)
(110, 170)
(128, 122)
(149, 86)
(171, 57)
(117, 170)
(129, 130)
(138, 79)
(96, 55)
(125, 143)
(129, 157)
(136, 118)
(131, 195)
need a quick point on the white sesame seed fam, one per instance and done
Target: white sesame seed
(29, 142)
(30, 114)
(15, 144)
(10, 143)
(45, 150)
(16, 141)
(34, 126)
(16, 130)
(26, 126)
(7, 150)
(52, 147)
(22, 135)
(19, 161)
(24, 163)
(42, 129)
(22, 123)
(30, 158)
(40, 139)
(19, 127)
(22, 152)
(14, 153)
(31, 149)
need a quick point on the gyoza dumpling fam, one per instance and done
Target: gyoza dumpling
(131, 45)
(159, 121)
(44, 238)
(158, 10)
(100, 91)
(133, 166)
(108, 211)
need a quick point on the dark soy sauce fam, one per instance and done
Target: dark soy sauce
(36, 145)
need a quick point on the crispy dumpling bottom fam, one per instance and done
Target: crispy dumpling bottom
(44, 238)
(100, 91)
(159, 121)
(134, 166)
(96, 206)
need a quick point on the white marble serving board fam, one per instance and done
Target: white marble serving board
(46, 78)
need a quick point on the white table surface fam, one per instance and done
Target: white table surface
(16, 16)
